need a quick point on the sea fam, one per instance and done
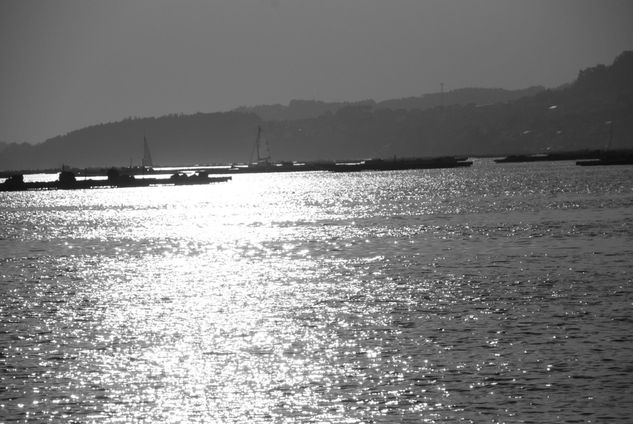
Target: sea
(498, 293)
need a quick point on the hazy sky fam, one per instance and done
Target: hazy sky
(67, 64)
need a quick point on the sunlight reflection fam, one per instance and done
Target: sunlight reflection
(342, 298)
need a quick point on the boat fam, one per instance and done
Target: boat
(14, 182)
(146, 162)
(263, 162)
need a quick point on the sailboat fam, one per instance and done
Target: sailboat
(259, 142)
(263, 159)
(147, 155)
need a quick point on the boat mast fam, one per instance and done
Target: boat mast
(258, 145)
(147, 156)
(257, 141)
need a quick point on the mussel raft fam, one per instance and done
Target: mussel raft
(68, 181)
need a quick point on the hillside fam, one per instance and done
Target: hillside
(306, 109)
(174, 140)
(571, 118)
(299, 109)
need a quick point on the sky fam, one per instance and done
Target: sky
(67, 64)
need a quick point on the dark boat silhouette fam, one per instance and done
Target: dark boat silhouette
(14, 182)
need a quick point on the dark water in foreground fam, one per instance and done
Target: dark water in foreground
(499, 293)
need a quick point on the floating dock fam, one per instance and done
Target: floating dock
(124, 178)
(68, 181)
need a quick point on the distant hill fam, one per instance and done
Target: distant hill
(174, 140)
(471, 122)
(462, 96)
(305, 109)
(299, 109)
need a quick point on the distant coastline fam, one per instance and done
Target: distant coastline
(582, 115)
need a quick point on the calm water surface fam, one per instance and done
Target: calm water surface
(498, 293)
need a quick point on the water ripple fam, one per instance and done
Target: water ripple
(495, 294)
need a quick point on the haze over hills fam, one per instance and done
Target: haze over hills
(459, 122)
(304, 109)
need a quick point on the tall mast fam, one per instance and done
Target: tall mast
(257, 141)
(262, 148)
(147, 156)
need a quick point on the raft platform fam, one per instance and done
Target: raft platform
(68, 181)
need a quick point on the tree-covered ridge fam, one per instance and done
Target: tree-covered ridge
(305, 109)
(174, 139)
(580, 115)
